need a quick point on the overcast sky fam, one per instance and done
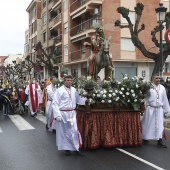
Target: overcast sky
(13, 24)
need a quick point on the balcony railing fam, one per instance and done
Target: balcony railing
(84, 26)
(57, 39)
(57, 19)
(80, 54)
(77, 4)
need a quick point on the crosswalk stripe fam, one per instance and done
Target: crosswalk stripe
(0, 130)
(41, 118)
(20, 122)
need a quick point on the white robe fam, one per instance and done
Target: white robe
(49, 113)
(27, 91)
(67, 134)
(153, 119)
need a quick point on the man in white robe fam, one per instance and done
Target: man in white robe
(64, 102)
(33, 90)
(153, 119)
(49, 113)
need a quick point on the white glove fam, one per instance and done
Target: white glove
(58, 119)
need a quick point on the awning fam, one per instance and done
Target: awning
(78, 39)
(78, 14)
(56, 8)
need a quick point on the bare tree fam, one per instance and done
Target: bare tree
(135, 30)
(51, 60)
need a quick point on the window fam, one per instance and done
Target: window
(44, 19)
(44, 37)
(65, 27)
(83, 25)
(130, 71)
(66, 50)
(44, 3)
(131, 16)
(83, 49)
(65, 5)
(83, 2)
(34, 11)
(127, 45)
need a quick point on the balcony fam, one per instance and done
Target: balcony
(83, 30)
(56, 6)
(57, 21)
(50, 42)
(51, 3)
(57, 40)
(51, 23)
(80, 55)
(83, 5)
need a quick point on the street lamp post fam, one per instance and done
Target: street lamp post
(161, 11)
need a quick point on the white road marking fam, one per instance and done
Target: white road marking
(41, 117)
(140, 159)
(20, 122)
(0, 130)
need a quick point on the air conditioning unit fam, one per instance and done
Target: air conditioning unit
(96, 11)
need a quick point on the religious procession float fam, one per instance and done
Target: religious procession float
(111, 117)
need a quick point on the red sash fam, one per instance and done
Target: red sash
(22, 96)
(34, 104)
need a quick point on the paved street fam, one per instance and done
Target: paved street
(26, 145)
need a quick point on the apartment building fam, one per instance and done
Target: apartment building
(67, 24)
(2, 73)
(33, 34)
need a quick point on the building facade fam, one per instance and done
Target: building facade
(67, 24)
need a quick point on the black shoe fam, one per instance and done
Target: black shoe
(78, 153)
(67, 153)
(145, 141)
(46, 127)
(54, 131)
(160, 144)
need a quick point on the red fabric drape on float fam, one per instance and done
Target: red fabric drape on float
(109, 129)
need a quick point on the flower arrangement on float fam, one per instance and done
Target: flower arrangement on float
(129, 93)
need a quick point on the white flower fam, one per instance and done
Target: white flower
(103, 101)
(101, 92)
(132, 91)
(137, 86)
(122, 88)
(94, 95)
(109, 101)
(128, 89)
(119, 82)
(114, 94)
(116, 91)
(135, 100)
(110, 95)
(123, 95)
(128, 101)
(104, 96)
(133, 94)
(110, 91)
(98, 95)
(104, 91)
(125, 78)
(117, 98)
(127, 93)
(120, 92)
(84, 93)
